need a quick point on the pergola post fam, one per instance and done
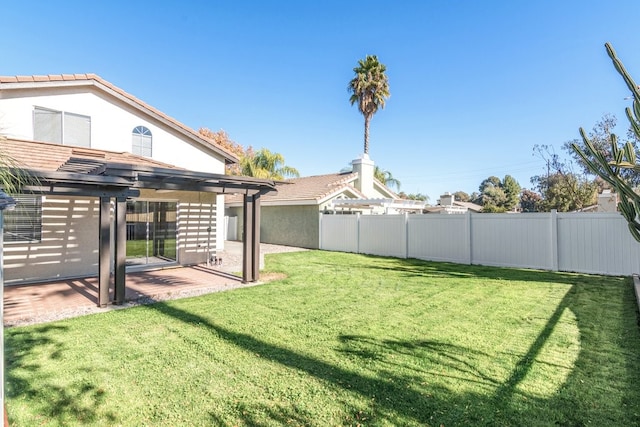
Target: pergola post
(247, 241)
(120, 250)
(256, 238)
(104, 255)
(251, 241)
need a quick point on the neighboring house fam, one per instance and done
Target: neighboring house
(291, 216)
(607, 202)
(449, 205)
(113, 174)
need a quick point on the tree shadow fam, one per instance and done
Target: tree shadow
(402, 397)
(397, 395)
(81, 402)
(394, 396)
(254, 415)
(429, 352)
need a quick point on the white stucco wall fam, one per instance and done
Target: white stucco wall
(112, 122)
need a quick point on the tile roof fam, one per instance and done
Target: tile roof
(310, 188)
(62, 79)
(469, 205)
(47, 156)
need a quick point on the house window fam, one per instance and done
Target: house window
(61, 127)
(24, 223)
(141, 141)
(151, 232)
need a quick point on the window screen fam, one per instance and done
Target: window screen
(61, 127)
(47, 125)
(77, 130)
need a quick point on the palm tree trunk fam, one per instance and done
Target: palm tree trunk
(367, 119)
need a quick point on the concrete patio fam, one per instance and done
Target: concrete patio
(42, 302)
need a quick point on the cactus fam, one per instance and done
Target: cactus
(623, 157)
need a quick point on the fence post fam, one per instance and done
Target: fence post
(469, 239)
(320, 231)
(406, 235)
(554, 239)
(358, 232)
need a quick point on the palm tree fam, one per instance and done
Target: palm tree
(12, 176)
(369, 88)
(265, 164)
(386, 178)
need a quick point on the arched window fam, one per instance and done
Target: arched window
(141, 141)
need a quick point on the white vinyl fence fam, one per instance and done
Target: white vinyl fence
(598, 243)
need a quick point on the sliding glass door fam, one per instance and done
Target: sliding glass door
(151, 232)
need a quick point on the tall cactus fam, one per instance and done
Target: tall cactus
(623, 157)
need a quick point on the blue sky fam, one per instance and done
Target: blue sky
(474, 84)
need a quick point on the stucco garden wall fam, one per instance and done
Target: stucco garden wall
(285, 225)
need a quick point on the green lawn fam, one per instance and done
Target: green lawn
(138, 248)
(344, 340)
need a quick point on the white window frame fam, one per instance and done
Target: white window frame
(142, 141)
(79, 136)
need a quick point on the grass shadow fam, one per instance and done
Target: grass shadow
(413, 267)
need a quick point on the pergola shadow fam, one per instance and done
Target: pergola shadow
(66, 298)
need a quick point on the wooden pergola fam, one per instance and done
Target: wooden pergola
(117, 182)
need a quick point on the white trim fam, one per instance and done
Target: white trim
(398, 204)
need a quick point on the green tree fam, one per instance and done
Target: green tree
(492, 181)
(512, 190)
(461, 196)
(562, 189)
(600, 138)
(385, 177)
(565, 192)
(265, 164)
(370, 89)
(499, 195)
(476, 198)
(411, 196)
(493, 200)
(222, 139)
(530, 201)
(258, 164)
(622, 158)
